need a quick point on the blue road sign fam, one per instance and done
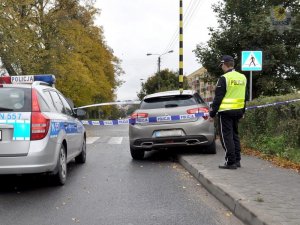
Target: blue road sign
(251, 60)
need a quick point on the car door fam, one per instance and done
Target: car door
(75, 133)
(65, 123)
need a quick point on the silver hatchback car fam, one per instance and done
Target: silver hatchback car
(170, 119)
(39, 131)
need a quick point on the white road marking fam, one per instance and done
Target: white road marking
(115, 140)
(91, 140)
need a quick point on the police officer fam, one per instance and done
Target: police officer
(229, 103)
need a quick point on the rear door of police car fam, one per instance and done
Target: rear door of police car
(67, 123)
(75, 128)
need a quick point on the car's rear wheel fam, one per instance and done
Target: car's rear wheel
(211, 149)
(81, 158)
(137, 154)
(61, 175)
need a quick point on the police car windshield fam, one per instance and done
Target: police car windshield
(15, 99)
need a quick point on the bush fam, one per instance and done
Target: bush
(273, 130)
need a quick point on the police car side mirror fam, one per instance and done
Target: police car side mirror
(80, 112)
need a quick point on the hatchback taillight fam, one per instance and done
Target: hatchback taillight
(39, 122)
(139, 115)
(39, 126)
(199, 110)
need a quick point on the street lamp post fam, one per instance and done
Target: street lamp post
(158, 62)
(159, 58)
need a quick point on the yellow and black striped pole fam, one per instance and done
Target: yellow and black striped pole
(180, 48)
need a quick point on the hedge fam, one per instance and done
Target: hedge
(273, 130)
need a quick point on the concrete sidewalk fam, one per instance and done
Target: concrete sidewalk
(257, 193)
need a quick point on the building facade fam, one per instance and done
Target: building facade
(200, 81)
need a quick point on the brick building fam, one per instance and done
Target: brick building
(200, 81)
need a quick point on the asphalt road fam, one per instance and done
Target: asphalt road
(112, 189)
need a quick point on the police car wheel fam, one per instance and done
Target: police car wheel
(137, 154)
(81, 158)
(61, 175)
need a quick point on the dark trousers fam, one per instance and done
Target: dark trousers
(228, 127)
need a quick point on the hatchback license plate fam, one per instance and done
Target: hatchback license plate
(168, 133)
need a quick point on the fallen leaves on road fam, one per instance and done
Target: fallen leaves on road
(229, 214)
(283, 163)
(75, 220)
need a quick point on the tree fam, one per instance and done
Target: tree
(59, 37)
(164, 80)
(245, 25)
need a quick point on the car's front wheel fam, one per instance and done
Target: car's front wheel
(137, 154)
(81, 158)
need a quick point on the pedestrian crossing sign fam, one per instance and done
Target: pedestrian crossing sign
(251, 60)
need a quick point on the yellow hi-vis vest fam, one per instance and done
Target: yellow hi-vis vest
(235, 91)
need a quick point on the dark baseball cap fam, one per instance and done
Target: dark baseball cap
(226, 58)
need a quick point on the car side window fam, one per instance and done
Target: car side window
(68, 109)
(57, 102)
(49, 100)
(43, 104)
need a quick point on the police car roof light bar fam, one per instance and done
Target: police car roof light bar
(48, 78)
(5, 80)
(28, 79)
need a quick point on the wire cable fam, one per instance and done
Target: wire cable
(192, 8)
(175, 35)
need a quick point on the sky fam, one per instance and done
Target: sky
(133, 28)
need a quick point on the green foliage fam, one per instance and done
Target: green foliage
(245, 25)
(117, 113)
(59, 37)
(131, 109)
(164, 80)
(273, 130)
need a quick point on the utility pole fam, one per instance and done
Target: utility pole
(180, 47)
(159, 64)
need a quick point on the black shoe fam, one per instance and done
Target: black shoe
(238, 164)
(225, 166)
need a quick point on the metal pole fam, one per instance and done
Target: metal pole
(250, 86)
(180, 47)
(159, 64)
(158, 83)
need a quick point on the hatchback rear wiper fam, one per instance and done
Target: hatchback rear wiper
(5, 109)
(170, 105)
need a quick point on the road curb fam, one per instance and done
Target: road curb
(233, 202)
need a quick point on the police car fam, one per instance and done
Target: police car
(39, 131)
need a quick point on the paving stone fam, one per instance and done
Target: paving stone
(259, 192)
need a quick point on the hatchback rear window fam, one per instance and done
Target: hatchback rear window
(168, 102)
(15, 99)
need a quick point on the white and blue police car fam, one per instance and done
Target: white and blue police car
(39, 130)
